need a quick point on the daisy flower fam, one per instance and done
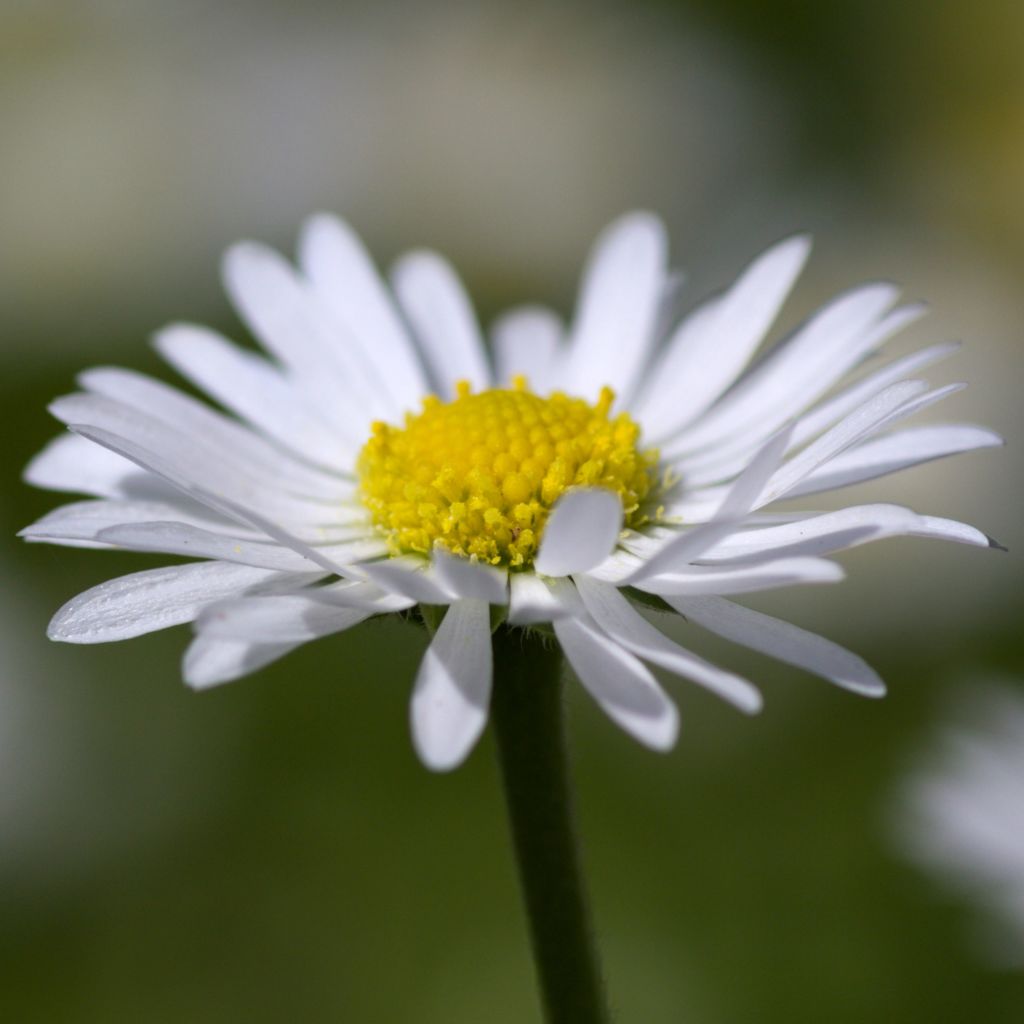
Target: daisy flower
(960, 817)
(380, 458)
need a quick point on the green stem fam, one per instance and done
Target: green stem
(528, 720)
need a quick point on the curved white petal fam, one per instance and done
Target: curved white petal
(619, 682)
(466, 578)
(835, 531)
(528, 341)
(83, 520)
(744, 578)
(617, 312)
(699, 363)
(626, 626)
(737, 502)
(210, 660)
(782, 641)
(287, 318)
(341, 271)
(453, 687)
(255, 390)
(277, 618)
(580, 533)
(76, 465)
(175, 538)
(206, 463)
(202, 426)
(871, 416)
(157, 598)
(437, 307)
(415, 578)
(800, 369)
(903, 449)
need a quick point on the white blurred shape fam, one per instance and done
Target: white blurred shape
(959, 816)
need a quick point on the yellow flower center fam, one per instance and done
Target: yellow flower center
(478, 475)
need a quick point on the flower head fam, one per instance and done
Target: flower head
(379, 457)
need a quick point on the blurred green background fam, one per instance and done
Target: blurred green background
(272, 851)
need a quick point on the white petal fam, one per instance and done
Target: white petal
(76, 465)
(739, 499)
(465, 578)
(277, 619)
(209, 465)
(783, 641)
(254, 390)
(453, 687)
(700, 365)
(800, 369)
(437, 307)
(724, 460)
(195, 542)
(621, 685)
(893, 452)
(580, 533)
(414, 577)
(343, 274)
(83, 520)
(859, 424)
(618, 308)
(205, 427)
(285, 315)
(532, 600)
(626, 626)
(824, 415)
(155, 599)
(744, 579)
(211, 660)
(527, 341)
(836, 531)
(169, 470)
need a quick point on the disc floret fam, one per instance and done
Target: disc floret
(479, 475)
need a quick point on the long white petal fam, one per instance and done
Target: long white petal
(453, 687)
(175, 538)
(157, 598)
(255, 390)
(724, 460)
(580, 532)
(617, 311)
(343, 274)
(247, 516)
(83, 520)
(437, 307)
(800, 369)
(698, 365)
(527, 341)
(626, 626)
(210, 660)
(781, 640)
(835, 531)
(738, 500)
(277, 619)
(851, 429)
(744, 579)
(285, 315)
(619, 682)
(75, 465)
(201, 424)
(880, 456)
